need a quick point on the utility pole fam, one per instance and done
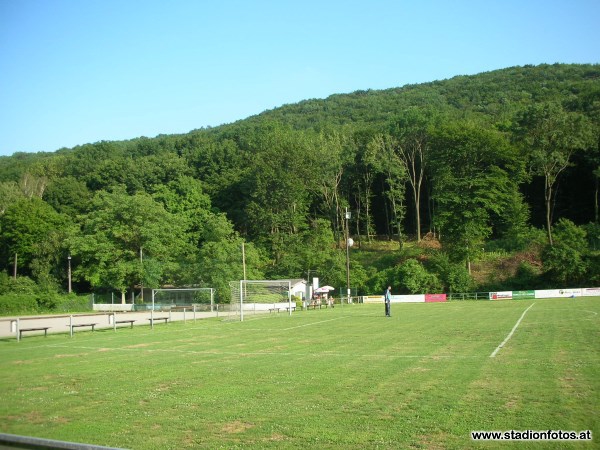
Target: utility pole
(69, 272)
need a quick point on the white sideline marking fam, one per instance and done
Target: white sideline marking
(493, 355)
(312, 323)
(263, 353)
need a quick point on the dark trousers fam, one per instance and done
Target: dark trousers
(387, 309)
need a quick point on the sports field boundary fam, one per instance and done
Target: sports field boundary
(495, 352)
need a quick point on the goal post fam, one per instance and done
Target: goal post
(260, 296)
(199, 299)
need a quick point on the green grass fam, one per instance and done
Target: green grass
(337, 378)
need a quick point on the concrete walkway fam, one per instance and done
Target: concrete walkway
(62, 323)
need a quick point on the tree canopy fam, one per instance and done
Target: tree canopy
(472, 162)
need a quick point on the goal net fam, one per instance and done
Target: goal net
(197, 299)
(260, 296)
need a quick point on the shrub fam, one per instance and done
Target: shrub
(454, 277)
(22, 285)
(414, 278)
(565, 261)
(12, 304)
(72, 303)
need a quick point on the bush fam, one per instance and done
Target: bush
(12, 304)
(72, 303)
(566, 261)
(527, 276)
(454, 277)
(414, 279)
(22, 285)
(16, 303)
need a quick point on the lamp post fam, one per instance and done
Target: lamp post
(69, 272)
(349, 243)
(142, 277)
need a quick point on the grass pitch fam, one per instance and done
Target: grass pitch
(337, 378)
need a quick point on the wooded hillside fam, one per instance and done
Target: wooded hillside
(506, 161)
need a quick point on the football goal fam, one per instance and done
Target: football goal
(260, 296)
(197, 299)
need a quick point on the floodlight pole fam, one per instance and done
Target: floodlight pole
(348, 215)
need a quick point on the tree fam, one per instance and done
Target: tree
(26, 227)
(566, 259)
(333, 161)
(389, 163)
(413, 146)
(549, 136)
(127, 240)
(413, 278)
(9, 194)
(68, 195)
(476, 175)
(280, 185)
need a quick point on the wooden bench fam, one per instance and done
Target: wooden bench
(22, 330)
(273, 309)
(314, 305)
(153, 319)
(287, 308)
(75, 325)
(125, 321)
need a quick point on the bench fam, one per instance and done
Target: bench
(22, 330)
(125, 321)
(75, 325)
(273, 309)
(314, 305)
(153, 319)
(287, 308)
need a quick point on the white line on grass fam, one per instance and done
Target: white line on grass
(312, 323)
(493, 355)
(214, 352)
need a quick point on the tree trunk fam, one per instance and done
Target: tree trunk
(548, 195)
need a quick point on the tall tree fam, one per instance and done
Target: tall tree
(333, 161)
(280, 182)
(549, 136)
(390, 165)
(411, 131)
(127, 240)
(25, 226)
(474, 171)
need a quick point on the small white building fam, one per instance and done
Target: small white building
(299, 288)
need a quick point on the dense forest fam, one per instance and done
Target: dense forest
(451, 172)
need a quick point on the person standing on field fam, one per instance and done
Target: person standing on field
(387, 298)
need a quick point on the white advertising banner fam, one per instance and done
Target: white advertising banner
(558, 293)
(592, 292)
(417, 298)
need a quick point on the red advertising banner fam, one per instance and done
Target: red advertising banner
(430, 298)
(505, 295)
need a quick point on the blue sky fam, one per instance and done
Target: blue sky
(80, 71)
